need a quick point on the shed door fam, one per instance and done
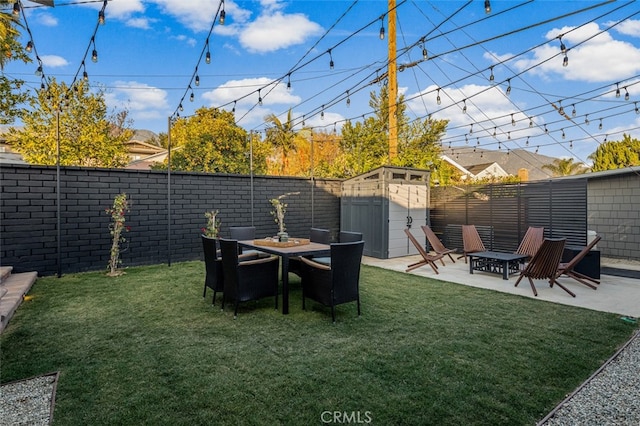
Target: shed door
(408, 206)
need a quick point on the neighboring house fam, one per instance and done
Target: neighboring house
(478, 171)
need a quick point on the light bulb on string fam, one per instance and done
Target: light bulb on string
(487, 6)
(197, 80)
(180, 107)
(561, 110)
(464, 108)
(192, 96)
(509, 135)
(303, 123)
(586, 119)
(223, 14)
(207, 56)
(626, 94)
(16, 8)
(288, 81)
(471, 129)
(563, 48)
(491, 76)
(508, 87)
(322, 113)
(570, 144)
(101, 17)
(513, 121)
(563, 135)
(233, 110)
(600, 125)
(331, 64)
(29, 46)
(530, 122)
(494, 132)
(259, 98)
(348, 100)
(39, 71)
(617, 90)
(637, 109)
(565, 61)
(382, 27)
(545, 129)
(573, 111)
(527, 142)
(94, 55)
(438, 100)
(425, 54)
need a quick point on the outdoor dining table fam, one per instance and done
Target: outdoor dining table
(495, 262)
(303, 248)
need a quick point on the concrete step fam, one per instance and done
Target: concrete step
(13, 288)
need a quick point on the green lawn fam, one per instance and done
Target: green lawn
(146, 348)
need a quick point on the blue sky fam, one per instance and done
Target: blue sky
(149, 51)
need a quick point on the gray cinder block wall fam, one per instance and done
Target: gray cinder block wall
(614, 212)
(28, 213)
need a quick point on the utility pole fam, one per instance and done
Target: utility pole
(393, 83)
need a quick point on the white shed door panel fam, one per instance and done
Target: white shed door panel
(407, 203)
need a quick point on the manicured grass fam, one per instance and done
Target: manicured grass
(146, 348)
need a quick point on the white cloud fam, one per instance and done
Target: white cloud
(245, 93)
(629, 27)
(140, 99)
(277, 31)
(53, 61)
(595, 57)
(196, 15)
(188, 40)
(47, 19)
(142, 23)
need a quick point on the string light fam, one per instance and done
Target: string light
(565, 61)
(192, 96)
(330, 59)
(101, 18)
(438, 100)
(494, 132)
(425, 54)
(513, 121)
(527, 142)
(85, 75)
(491, 77)
(561, 109)
(586, 119)
(626, 94)
(322, 113)
(563, 48)
(471, 129)
(637, 110)
(570, 144)
(16, 8)
(289, 81)
(600, 125)
(197, 79)
(487, 7)
(259, 98)
(348, 100)
(563, 135)
(617, 90)
(29, 46)
(530, 122)
(464, 108)
(223, 14)
(180, 107)
(573, 111)
(382, 27)
(508, 87)
(207, 56)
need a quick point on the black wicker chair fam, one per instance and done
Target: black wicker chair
(335, 284)
(247, 280)
(317, 235)
(213, 267)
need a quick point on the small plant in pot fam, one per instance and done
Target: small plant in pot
(279, 209)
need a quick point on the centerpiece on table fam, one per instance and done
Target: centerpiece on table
(279, 209)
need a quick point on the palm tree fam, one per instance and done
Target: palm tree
(565, 167)
(282, 136)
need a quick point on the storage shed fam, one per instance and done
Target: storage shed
(381, 204)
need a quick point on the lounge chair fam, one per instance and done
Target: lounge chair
(544, 264)
(436, 244)
(567, 268)
(471, 241)
(531, 241)
(427, 259)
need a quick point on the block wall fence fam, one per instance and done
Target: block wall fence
(28, 213)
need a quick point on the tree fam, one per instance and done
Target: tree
(87, 137)
(211, 142)
(565, 167)
(616, 154)
(282, 136)
(10, 49)
(365, 145)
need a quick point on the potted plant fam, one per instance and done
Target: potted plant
(213, 224)
(280, 209)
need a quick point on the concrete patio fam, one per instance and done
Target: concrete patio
(615, 294)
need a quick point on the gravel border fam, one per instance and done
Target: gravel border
(611, 396)
(28, 402)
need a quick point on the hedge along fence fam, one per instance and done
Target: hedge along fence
(29, 221)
